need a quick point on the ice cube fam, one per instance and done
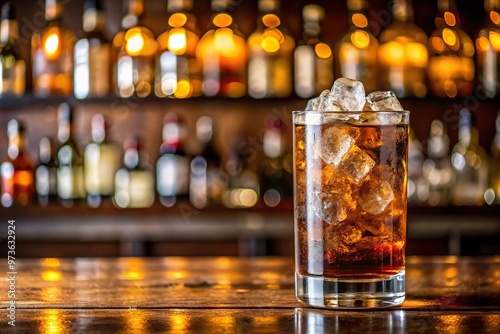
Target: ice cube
(382, 101)
(335, 207)
(313, 104)
(349, 233)
(349, 93)
(373, 225)
(375, 195)
(332, 146)
(356, 164)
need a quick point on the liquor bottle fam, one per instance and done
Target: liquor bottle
(12, 67)
(92, 55)
(243, 184)
(270, 49)
(276, 175)
(223, 54)
(101, 162)
(136, 59)
(178, 70)
(53, 54)
(415, 161)
(70, 174)
(488, 50)
(17, 170)
(470, 163)
(403, 55)
(313, 64)
(437, 171)
(207, 181)
(134, 182)
(451, 51)
(46, 173)
(357, 50)
(495, 164)
(172, 167)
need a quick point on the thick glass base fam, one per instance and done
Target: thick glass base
(350, 293)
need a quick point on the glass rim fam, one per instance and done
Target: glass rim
(319, 112)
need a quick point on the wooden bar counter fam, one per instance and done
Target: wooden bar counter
(237, 295)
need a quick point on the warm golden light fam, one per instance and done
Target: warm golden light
(449, 37)
(51, 46)
(360, 39)
(270, 44)
(437, 44)
(135, 43)
(495, 17)
(179, 322)
(177, 20)
(495, 40)
(222, 20)
(224, 42)
(359, 20)
(177, 42)
(51, 275)
(134, 275)
(51, 322)
(417, 54)
(323, 50)
(271, 20)
(177, 274)
(24, 178)
(51, 262)
(183, 89)
(450, 19)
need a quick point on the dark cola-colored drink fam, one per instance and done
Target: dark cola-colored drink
(350, 196)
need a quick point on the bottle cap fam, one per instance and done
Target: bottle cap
(313, 13)
(8, 11)
(93, 4)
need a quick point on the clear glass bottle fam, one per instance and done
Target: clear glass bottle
(102, 159)
(46, 173)
(135, 67)
(437, 171)
(207, 181)
(172, 167)
(357, 50)
(488, 50)
(403, 55)
(243, 184)
(134, 182)
(70, 173)
(223, 53)
(276, 177)
(52, 52)
(313, 58)
(92, 55)
(451, 51)
(178, 71)
(495, 163)
(16, 171)
(470, 163)
(270, 49)
(12, 67)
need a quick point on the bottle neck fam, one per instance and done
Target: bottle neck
(133, 13)
(9, 31)
(402, 11)
(16, 145)
(93, 20)
(171, 137)
(131, 158)
(447, 14)
(465, 134)
(357, 17)
(45, 153)
(492, 9)
(65, 131)
(53, 10)
(269, 6)
(219, 6)
(175, 6)
(272, 143)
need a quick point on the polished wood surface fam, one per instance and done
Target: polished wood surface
(237, 295)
